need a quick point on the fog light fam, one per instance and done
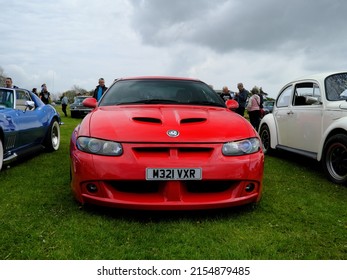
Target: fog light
(250, 187)
(92, 188)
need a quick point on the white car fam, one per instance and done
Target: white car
(310, 118)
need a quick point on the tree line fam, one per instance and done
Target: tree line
(71, 94)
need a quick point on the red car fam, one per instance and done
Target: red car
(165, 143)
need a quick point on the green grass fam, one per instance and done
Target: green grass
(301, 216)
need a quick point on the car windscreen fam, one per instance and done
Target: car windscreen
(6, 98)
(161, 91)
(336, 87)
(79, 100)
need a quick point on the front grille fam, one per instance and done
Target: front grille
(180, 152)
(140, 187)
(207, 186)
(148, 187)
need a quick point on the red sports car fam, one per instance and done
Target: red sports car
(165, 143)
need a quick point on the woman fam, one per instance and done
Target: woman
(253, 108)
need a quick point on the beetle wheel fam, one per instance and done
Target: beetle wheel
(265, 138)
(335, 159)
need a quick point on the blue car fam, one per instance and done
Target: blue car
(26, 125)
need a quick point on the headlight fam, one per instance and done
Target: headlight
(243, 147)
(99, 147)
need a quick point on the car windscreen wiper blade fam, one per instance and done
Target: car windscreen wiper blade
(207, 103)
(150, 101)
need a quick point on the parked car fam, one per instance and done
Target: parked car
(26, 125)
(310, 118)
(268, 106)
(165, 143)
(77, 109)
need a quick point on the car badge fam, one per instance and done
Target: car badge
(172, 133)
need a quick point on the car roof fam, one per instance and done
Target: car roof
(158, 78)
(318, 76)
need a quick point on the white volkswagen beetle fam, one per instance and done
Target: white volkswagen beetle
(310, 118)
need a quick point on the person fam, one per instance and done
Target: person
(100, 89)
(64, 102)
(261, 95)
(34, 90)
(226, 93)
(241, 98)
(253, 108)
(44, 94)
(9, 83)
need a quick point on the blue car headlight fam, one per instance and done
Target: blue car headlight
(242, 147)
(99, 146)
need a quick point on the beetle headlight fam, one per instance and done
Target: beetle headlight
(99, 147)
(243, 147)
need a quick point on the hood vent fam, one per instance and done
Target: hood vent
(193, 120)
(147, 120)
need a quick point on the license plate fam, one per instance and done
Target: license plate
(173, 174)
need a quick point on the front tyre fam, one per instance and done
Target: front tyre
(334, 159)
(52, 140)
(265, 138)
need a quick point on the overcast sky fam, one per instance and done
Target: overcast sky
(222, 42)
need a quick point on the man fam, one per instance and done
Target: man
(45, 94)
(226, 93)
(241, 98)
(9, 84)
(64, 102)
(100, 89)
(35, 91)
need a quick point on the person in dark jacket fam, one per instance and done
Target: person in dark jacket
(9, 84)
(241, 98)
(45, 94)
(100, 89)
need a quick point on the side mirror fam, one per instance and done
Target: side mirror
(232, 104)
(90, 102)
(29, 105)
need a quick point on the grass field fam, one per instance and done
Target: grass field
(301, 216)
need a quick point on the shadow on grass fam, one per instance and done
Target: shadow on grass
(148, 216)
(25, 158)
(302, 162)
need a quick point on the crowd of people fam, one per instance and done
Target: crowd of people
(44, 94)
(252, 101)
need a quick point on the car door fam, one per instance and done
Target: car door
(283, 115)
(305, 122)
(30, 130)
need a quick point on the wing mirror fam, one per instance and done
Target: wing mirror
(29, 105)
(90, 102)
(232, 104)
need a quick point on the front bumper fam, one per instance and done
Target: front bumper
(120, 181)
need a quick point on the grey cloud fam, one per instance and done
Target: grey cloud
(224, 26)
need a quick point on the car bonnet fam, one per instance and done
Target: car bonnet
(168, 124)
